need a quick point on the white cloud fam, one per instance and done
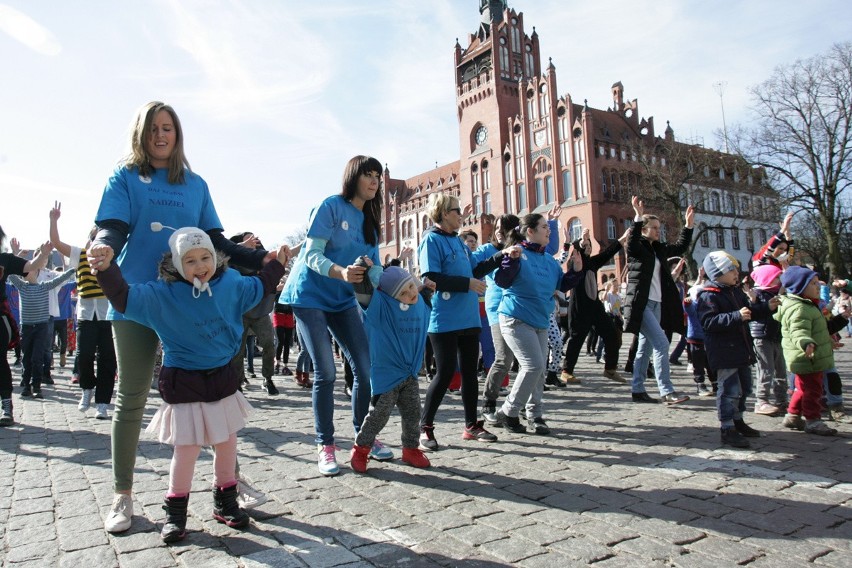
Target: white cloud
(27, 31)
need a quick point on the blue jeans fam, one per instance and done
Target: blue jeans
(652, 338)
(348, 330)
(831, 399)
(734, 388)
(34, 338)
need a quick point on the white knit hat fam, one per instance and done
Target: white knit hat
(181, 242)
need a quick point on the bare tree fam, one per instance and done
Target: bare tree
(296, 236)
(803, 138)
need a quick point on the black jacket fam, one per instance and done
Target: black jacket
(768, 327)
(640, 270)
(580, 301)
(726, 338)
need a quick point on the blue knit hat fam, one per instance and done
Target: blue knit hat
(796, 278)
(394, 279)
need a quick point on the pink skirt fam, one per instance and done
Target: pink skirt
(200, 423)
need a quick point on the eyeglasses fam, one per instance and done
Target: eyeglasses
(456, 209)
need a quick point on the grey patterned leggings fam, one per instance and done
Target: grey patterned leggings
(406, 396)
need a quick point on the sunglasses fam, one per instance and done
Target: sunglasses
(456, 209)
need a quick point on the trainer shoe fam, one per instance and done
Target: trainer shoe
(326, 460)
(837, 413)
(819, 428)
(101, 413)
(415, 458)
(477, 432)
(793, 421)
(643, 397)
(6, 418)
(428, 442)
(730, 437)
(358, 458)
(766, 409)
(489, 412)
(380, 452)
(614, 375)
(675, 398)
(511, 423)
(746, 430)
(85, 400)
(119, 517)
(570, 379)
(37, 393)
(539, 426)
(702, 390)
(248, 497)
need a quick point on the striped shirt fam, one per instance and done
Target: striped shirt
(91, 303)
(35, 298)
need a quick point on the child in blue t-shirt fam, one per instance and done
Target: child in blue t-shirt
(196, 307)
(397, 321)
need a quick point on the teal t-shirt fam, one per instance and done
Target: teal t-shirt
(342, 225)
(397, 337)
(138, 200)
(197, 333)
(530, 296)
(447, 254)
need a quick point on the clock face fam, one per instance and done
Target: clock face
(481, 135)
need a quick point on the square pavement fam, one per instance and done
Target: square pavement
(616, 484)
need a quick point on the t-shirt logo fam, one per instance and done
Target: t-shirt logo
(144, 179)
(524, 256)
(445, 295)
(403, 307)
(344, 225)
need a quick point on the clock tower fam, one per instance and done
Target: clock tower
(490, 73)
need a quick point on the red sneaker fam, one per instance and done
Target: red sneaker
(358, 458)
(415, 457)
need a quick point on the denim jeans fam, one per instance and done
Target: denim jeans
(347, 327)
(831, 399)
(652, 338)
(34, 338)
(734, 388)
(529, 344)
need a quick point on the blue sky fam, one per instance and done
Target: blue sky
(276, 96)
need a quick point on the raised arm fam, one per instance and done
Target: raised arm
(55, 213)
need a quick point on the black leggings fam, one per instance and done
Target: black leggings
(5, 371)
(285, 342)
(454, 349)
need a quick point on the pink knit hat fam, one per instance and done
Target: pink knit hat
(764, 274)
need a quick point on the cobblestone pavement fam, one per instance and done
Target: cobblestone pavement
(617, 484)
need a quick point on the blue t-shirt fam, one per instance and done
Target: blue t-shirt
(139, 200)
(197, 333)
(342, 225)
(530, 297)
(493, 293)
(447, 254)
(397, 337)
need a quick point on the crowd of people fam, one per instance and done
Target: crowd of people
(157, 279)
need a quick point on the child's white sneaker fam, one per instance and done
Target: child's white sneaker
(85, 400)
(101, 413)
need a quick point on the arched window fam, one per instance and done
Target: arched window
(575, 229)
(715, 203)
(549, 189)
(745, 207)
(610, 228)
(705, 238)
(522, 197)
(732, 204)
(488, 203)
(404, 229)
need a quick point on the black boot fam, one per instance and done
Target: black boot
(225, 508)
(271, 389)
(745, 429)
(730, 437)
(174, 529)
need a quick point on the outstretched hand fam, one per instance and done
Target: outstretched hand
(554, 212)
(56, 211)
(690, 216)
(785, 224)
(638, 205)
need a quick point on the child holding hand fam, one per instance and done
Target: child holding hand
(196, 308)
(397, 321)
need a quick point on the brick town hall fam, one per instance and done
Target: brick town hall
(524, 148)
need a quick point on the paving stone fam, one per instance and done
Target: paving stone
(650, 548)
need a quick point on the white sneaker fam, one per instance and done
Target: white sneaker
(120, 514)
(248, 497)
(85, 400)
(327, 461)
(101, 413)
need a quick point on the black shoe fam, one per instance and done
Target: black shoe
(746, 430)
(676, 363)
(554, 381)
(643, 397)
(37, 393)
(539, 426)
(174, 529)
(47, 380)
(270, 388)
(730, 437)
(26, 393)
(225, 507)
(511, 424)
(252, 375)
